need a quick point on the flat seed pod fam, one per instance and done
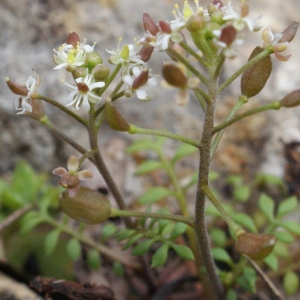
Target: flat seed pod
(254, 79)
(86, 206)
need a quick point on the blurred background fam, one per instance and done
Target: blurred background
(30, 29)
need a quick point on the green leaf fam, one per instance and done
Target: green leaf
(212, 176)
(124, 234)
(178, 230)
(154, 194)
(118, 269)
(183, 251)
(242, 193)
(291, 226)
(221, 255)
(281, 250)
(264, 179)
(74, 249)
(287, 206)
(244, 220)
(290, 282)
(51, 241)
(212, 211)
(235, 180)
(266, 204)
(284, 236)
(148, 166)
(30, 220)
(248, 279)
(141, 144)
(272, 261)
(107, 231)
(94, 259)
(132, 240)
(143, 247)
(160, 256)
(218, 237)
(184, 150)
(162, 225)
(231, 295)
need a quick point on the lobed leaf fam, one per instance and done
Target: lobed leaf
(154, 194)
(94, 259)
(148, 166)
(51, 241)
(74, 249)
(143, 247)
(160, 256)
(266, 204)
(287, 206)
(183, 251)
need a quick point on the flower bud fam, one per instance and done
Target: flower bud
(195, 23)
(16, 88)
(254, 79)
(228, 34)
(149, 24)
(79, 72)
(146, 52)
(218, 3)
(291, 100)
(69, 181)
(289, 33)
(217, 17)
(114, 118)
(101, 72)
(174, 75)
(87, 206)
(73, 39)
(140, 80)
(209, 28)
(93, 59)
(165, 27)
(257, 246)
(211, 8)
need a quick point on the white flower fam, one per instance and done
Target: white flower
(31, 85)
(82, 93)
(163, 39)
(239, 19)
(271, 39)
(138, 74)
(68, 56)
(126, 56)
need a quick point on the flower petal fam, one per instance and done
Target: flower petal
(73, 164)
(84, 174)
(60, 171)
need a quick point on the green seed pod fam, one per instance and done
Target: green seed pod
(86, 206)
(291, 100)
(114, 118)
(257, 246)
(254, 79)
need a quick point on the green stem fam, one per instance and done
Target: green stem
(63, 108)
(113, 255)
(273, 105)
(128, 213)
(188, 65)
(219, 135)
(195, 54)
(219, 64)
(236, 229)
(204, 166)
(137, 130)
(201, 100)
(245, 67)
(85, 156)
(101, 166)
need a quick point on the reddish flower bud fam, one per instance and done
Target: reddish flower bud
(73, 39)
(254, 79)
(114, 118)
(257, 246)
(228, 34)
(146, 52)
(165, 27)
(16, 88)
(140, 80)
(69, 181)
(149, 24)
(289, 33)
(218, 3)
(291, 100)
(174, 75)
(87, 206)
(244, 10)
